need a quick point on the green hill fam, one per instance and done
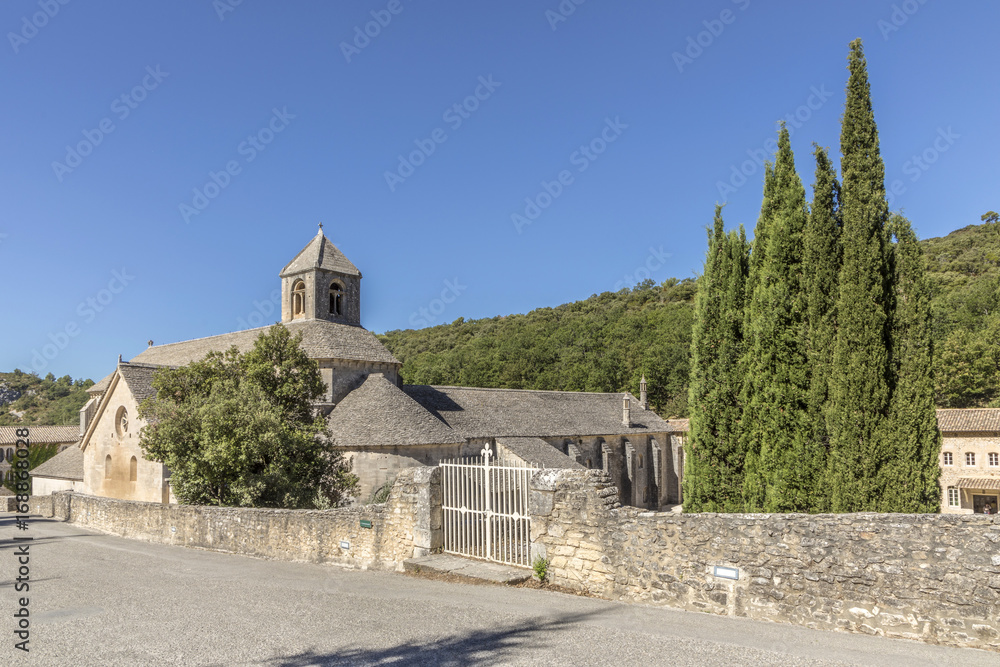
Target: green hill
(28, 399)
(606, 342)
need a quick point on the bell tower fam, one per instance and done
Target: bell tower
(320, 283)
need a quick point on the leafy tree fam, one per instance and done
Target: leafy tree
(37, 455)
(239, 429)
(967, 367)
(859, 387)
(908, 480)
(781, 463)
(714, 455)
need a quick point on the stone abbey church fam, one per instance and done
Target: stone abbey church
(381, 424)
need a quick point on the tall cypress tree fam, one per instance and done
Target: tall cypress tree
(859, 387)
(777, 360)
(909, 478)
(753, 486)
(713, 453)
(821, 260)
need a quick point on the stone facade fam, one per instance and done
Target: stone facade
(378, 465)
(404, 527)
(934, 578)
(968, 484)
(43, 486)
(642, 467)
(113, 462)
(342, 377)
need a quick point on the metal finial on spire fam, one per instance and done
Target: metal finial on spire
(321, 228)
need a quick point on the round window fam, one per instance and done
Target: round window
(121, 421)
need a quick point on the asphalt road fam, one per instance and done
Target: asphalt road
(102, 600)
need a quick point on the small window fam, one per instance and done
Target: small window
(640, 461)
(948, 459)
(336, 299)
(970, 458)
(298, 299)
(952, 496)
(107, 467)
(133, 469)
(994, 459)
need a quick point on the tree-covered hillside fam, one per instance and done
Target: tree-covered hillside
(26, 398)
(606, 342)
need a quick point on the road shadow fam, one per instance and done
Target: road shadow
(479, 647)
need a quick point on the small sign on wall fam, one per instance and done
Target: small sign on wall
(344, 544)
(366, 523)
(726, 572)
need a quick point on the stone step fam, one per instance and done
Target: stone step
(475, 570)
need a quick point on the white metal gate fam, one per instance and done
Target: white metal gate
(485, 508)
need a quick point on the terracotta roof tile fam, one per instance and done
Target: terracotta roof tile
(991, 483)
(41, 434)
(969, 420)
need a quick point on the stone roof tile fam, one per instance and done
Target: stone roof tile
(320, 253)
(101, 386)
(67, 464)
(139, 379)
(538, 452)
(486, 413)
(380, 414)
(320, 340)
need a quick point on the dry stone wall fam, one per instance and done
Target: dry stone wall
(405, 526)
(934, 577)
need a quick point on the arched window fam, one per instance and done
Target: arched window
(298, 299)
(107, 467)
(336, 299)
(133, 469)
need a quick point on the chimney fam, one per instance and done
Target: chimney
(626, 411)
(643, 401)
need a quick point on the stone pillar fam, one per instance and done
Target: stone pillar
(428, 525)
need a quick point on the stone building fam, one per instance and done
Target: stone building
(380, 424)
(60, 436)
(970, 460)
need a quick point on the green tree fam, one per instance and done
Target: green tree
(239, 429)
(821, 265)
(908, 480)
(781, 464)
(753, 486)
(967, 367)
(859, 387)
(714, 456)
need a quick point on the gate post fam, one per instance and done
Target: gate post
(487, 502)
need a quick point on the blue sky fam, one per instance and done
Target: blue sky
(162, 161)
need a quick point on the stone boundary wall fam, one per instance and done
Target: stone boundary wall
(407, 525)
(930, 577)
